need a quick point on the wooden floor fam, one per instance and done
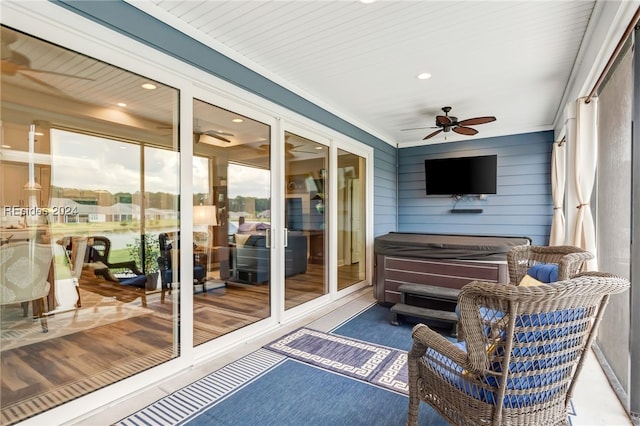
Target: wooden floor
(51, 372)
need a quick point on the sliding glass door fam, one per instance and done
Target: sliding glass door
(307, 195)
(351, 225)
(90, 178)
(156, 234)
(231, 221)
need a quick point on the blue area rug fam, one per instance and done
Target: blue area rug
(295, 393)
(380, 365)
(273, 387)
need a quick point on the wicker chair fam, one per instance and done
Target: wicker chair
(568, 258)
(519, 364)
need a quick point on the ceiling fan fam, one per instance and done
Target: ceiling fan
(446, 123)
(16, 63)
(290, 149)
(217, 134)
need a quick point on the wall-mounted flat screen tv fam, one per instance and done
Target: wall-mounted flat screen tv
(461, 175)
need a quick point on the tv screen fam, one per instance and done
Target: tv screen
(461, 175)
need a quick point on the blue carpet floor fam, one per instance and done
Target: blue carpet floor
(294, 393)
(372, 325)
(270, 388)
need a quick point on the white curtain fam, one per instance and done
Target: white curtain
(585, 168)
(558, 179)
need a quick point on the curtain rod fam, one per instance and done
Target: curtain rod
(615, 53)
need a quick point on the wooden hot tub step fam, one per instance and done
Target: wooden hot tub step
(430, 291)
(424, 313)
(440, 297)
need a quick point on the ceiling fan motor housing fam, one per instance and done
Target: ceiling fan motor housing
(447, 127)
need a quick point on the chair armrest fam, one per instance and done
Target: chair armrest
(424, 337)
(130, 264)
(571, 264)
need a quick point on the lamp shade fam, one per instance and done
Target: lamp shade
(204, 215)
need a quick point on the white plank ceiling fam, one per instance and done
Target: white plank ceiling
(508, 59)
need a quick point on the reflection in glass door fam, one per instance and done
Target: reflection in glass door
(305, 220)
(96, 177)
(231, 221)
(350, 198)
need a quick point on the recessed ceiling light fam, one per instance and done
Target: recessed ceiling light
(237, 120)
(38, 134)
(319, 147)
(424, 76)
(121, 104)
(366, 1)
(148, 86)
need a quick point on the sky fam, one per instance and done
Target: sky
(104, 164)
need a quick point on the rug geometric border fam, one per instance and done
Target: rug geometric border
(376, 364)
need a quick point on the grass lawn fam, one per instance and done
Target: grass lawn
(59, 230)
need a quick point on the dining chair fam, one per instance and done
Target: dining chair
(24, 269)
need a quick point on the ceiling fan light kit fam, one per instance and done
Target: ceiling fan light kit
(211, 140)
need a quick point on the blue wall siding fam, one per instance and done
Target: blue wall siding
(385, 190)
(128, 20)
(523, 205)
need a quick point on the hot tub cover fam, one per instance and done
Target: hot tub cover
(447, 246)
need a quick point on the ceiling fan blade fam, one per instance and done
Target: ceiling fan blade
(476, 121)
(465, 131)
(219, 137)
(9, 67)
(213, 132)
(25, 69)
(430, 135)
(418, 128)
(42, 83)
(443, 120)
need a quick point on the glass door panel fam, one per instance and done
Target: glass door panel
(351, 219)
(90, 179)
(305, 219)
(231, 221)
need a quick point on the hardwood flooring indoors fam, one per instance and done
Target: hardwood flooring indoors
(56, 367)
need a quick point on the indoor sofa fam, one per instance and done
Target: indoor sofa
(250, 257)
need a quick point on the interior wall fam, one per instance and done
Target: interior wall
(523, 205)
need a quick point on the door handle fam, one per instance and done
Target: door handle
(286, 237)
(267, 242)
